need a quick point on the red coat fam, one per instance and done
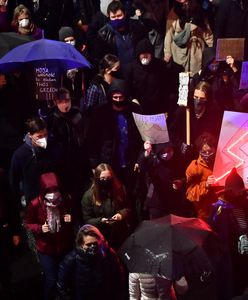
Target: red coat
(59, 243)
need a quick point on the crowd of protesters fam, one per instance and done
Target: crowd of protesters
(76, 177)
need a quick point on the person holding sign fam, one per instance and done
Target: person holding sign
(203, 117)
(165, 179)
(199, 176)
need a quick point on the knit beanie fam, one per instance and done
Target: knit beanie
(65, 32)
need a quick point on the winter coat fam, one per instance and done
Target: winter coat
(27, 164)
(161, 195)
(142, 286)
(149, 85)
(189, 55)
(102, 137)
(55, 244)
(115, 232)
(91, 278)
(197, 191)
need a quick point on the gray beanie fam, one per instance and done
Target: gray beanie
(65, 32)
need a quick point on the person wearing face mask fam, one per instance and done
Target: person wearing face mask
(105, 205)
(199, 177)
(92, 271)
(113, 136)
(73, 80)
(96, 94)
(119, 36)
(204, 116)
(50, 219)
(29, 161)
(22, 23)
(149, 79)
(164, 169)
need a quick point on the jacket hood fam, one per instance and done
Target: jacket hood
(118, 85)
(48, 181)
(144, 46)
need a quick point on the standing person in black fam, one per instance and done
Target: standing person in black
(67, 131)
(29, 161)
(9, 234)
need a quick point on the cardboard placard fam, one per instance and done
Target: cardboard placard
(234, 47)
(243, 84)
(183, 89)
(232, 150)
(152, 128)
(46, 83)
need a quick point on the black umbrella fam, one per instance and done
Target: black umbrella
(171, 247)
(10, 40)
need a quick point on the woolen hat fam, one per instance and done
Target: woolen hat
(65, 32)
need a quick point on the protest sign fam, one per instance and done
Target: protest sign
(232, 150)
(46, 83)
(234, 47)
(243, 84)
(183, 89)
(152, 128)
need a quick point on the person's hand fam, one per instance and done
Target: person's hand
(185, 148)
(45, 228)
(104, 220)
(211, 180)
(16, 240)
(230, 61)
(136, 168)
(117, 217)
(67, 218)
(177, 184)
(167, 57)
(147, 147)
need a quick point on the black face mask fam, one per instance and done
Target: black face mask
(117, 74)
(92, 250)
(119, 104)
(105, 186)
(199, 106)
(208, 158)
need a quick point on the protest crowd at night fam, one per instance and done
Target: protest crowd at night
(124, 149)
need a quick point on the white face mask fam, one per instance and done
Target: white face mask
(51, 196)
(145, 61)
(41, 142)
(73, 43)
(24, 23)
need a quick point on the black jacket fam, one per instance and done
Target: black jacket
(102, 137)
(27, 164)
(91, 278)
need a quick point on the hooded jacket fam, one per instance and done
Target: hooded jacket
(59, 243)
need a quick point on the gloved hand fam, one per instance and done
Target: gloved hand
(186, 149)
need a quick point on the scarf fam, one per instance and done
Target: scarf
(53, 214)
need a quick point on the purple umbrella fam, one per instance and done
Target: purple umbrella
(43, 52)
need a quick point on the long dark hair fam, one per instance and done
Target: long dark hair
(118, 193)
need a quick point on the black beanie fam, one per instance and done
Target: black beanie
(144, 46)
(65, 32)
(118, 85)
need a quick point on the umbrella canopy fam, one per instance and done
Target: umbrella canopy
(171, 247)
(43, 52)
(10, 40)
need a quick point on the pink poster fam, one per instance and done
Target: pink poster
(232, 150)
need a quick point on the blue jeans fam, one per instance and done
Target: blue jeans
(50, 267)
